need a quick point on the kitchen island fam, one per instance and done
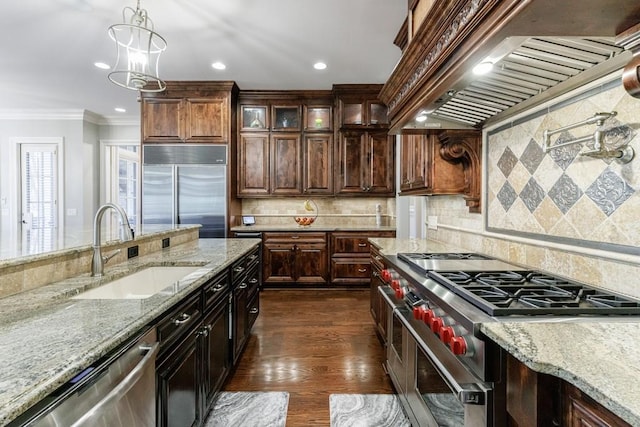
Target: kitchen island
(48, 338)
(596, 355)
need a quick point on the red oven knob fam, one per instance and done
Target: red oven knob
(420, 311)
(458, 346)
(436, 324)
(395, 284)
(446, 334)
(388, 275)
(428, 316)
(400, 293)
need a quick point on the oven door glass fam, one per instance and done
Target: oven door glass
(443, 405)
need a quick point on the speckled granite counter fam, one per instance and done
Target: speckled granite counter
(46, 338)
(601, 359)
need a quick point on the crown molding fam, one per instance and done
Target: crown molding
(67, 114)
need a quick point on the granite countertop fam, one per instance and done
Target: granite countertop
(313, 227)
(600, 358)
(47, 338)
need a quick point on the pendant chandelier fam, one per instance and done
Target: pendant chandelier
(138, 52)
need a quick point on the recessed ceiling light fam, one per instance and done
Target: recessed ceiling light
(120, 110)
(483, 68)
(319, 65)
(218, 65)
(102, 65)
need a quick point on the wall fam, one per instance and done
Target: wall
(560, 212)
(81, 132)
(335, 211)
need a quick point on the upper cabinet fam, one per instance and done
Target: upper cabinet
(189, 112)
(286, 143)
(365, 164)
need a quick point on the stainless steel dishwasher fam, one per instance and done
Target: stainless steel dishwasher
(118, 391)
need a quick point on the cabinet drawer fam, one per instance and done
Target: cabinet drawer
(377, 260)
(350, 270)
(215, 290)
(239, 268)
(302, 237)
(342, 244)
(179, 321)
(253, 281)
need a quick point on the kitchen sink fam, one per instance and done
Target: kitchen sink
(139, 285)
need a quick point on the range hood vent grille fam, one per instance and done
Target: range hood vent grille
(535, 66)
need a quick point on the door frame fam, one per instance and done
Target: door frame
(105, 174)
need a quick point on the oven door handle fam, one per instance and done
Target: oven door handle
(469, 393)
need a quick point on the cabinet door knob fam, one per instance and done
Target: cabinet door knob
(253, 311)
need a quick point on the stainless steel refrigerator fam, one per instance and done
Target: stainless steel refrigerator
(185, 184)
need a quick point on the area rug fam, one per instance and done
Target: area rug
(249, 409)
(366, 410)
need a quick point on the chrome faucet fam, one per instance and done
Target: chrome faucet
(98, 261)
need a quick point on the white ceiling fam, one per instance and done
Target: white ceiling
(47, 48)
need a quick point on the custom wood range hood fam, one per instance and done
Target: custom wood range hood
(540, 48)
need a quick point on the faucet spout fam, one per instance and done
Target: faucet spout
(98, 261)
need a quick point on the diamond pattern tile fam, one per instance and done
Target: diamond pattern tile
(616, 136)
(507, 195)
(564, 156)
(507, 162)
(565, 193)
(532, 156)
(532, 195)
(609, 191)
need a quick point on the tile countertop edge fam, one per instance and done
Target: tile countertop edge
(19, 392)
(293, 227)
(554, 348)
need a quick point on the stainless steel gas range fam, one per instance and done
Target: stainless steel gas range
(445, 371)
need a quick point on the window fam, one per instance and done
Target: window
(39, 197)
(121, 178)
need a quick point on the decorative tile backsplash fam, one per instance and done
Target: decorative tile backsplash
(563, 195)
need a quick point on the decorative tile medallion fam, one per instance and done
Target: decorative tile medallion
(532, 195)
(564, 156)
(507, 195)
(609, 191)
(565, 193)
(507, 162)
(532, 156)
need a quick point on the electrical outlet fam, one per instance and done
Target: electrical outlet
(166, 242)
(132, 251)
(432, 222)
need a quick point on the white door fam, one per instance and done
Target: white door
(39, 197)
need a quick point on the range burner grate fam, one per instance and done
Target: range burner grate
(501, 293)
(442, 256)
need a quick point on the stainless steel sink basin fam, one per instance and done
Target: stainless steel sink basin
(139, 285)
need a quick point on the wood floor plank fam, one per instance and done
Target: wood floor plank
(312, 343)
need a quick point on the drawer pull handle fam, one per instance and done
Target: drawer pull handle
(252, 257)
(254, 280)
(362, 245)
(238, 269)
(242, 285)
(295, 237)
(253, 311)
(378, 258)
(362, 270)
(181, 319)
(218, 288)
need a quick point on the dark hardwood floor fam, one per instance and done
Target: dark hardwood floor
(312, 343)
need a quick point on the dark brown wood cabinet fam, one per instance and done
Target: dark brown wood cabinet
(536, 399)
(350, 257)
(286, 145)
(286, 168)
(365, 163)
(318, 164)
(378, 306)
(423, 171)
(365, 155)
(253, 165)
(191, 112)
(298, 259)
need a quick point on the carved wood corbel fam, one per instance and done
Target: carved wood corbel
(630, 40)
(465, 147)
